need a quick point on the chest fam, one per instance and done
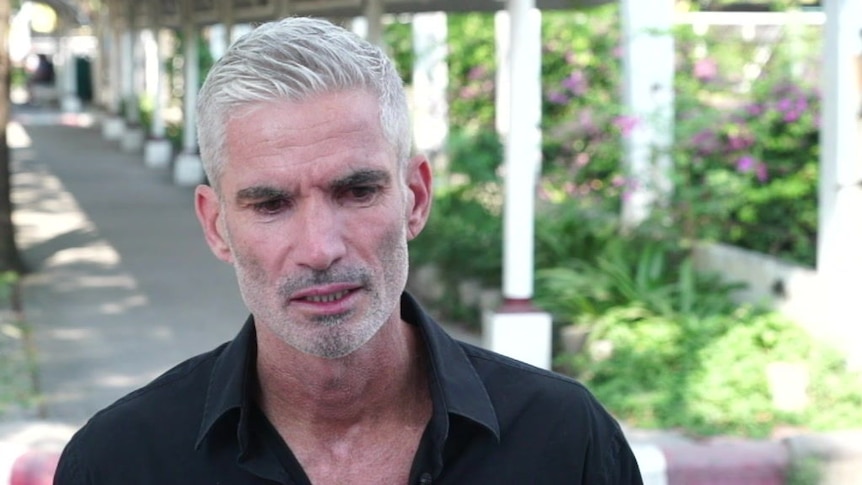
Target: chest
(373, 458)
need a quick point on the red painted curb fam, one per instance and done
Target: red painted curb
(727, 463)
(35, 467)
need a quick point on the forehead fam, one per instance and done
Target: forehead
(328, 132)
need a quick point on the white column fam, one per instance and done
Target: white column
(374, 16)
(70, 102)
(157, 150)
(188, 169)
(839, 248)
(517, 329)
(502, 30)
(430, 81)
(126, 71)
(648, 70)
(133, 136)
(113, 124)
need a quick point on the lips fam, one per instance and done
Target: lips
(325, 294)
(327, 298)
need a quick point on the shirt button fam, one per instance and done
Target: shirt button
(425, 479)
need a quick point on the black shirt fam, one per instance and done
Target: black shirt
(495, 421)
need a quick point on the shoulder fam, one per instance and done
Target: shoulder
(500, 373)
(557, 414)
(161, 417)
(525, 395)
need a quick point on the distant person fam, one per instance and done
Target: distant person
(40, 78)
(338, 376)
(42, 71)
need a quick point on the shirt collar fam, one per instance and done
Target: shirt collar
(462, 391)
(230, 379)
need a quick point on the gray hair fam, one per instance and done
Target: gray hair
(294, 59)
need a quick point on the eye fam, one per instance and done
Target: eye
(360, 194)
(271, 206)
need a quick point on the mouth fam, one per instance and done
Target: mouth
(326, 298)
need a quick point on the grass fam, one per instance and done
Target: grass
(18, 372)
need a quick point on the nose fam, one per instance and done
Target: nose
(319, 241)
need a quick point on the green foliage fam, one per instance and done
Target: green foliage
(472, 69)
(804, 471)
(744, 162)
(16, 360)
(398, 39)
(668, 346)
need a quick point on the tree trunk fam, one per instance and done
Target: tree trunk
(10, 259)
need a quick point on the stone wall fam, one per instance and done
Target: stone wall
(793, 290)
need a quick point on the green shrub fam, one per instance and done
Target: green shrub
(16, 359)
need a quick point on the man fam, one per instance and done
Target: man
(338, 376)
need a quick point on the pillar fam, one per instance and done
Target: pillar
(518, 329)
(157, 150)
(839, 245)
(648, 70)
(430, 82)
(188, 170)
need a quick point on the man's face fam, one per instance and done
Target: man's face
(315, 214)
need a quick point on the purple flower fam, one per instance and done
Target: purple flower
(557, 97)
(791, 116)
(705, 142)
(739, 142)
(705, 69)
(784, 105)
(745, 163)
(576, 83)
(476, 73)
(761, 172)
(754, 109)
(585, 119)
(626, 124)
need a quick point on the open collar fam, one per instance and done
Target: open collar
(455, 384)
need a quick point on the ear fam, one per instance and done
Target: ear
(208, 210)
(419, 195)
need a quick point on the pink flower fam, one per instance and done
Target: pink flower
(626, 124)
(705, 69)
(761, 172)
(745, 163)
(556, 97)
(576, 83)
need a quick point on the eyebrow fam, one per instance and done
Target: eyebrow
(260, 193)
(360, 177)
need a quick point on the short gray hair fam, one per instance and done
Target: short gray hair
(294, 59)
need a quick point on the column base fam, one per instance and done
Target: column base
(70, 104)
(157, 153)
(525, 336)
(132, 140)
(188, 169)
(113, 127)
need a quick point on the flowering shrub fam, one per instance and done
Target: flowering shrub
(746, 164)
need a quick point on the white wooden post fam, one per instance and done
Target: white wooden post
(188, 170)
(113, 124)
(648, 70)
(430, 80)
(374, 17)
(502, 28)
(518, 329)
(133, 136)
(839, 248)
(157, 151)
(69, 102)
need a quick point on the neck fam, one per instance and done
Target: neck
(383, 380)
